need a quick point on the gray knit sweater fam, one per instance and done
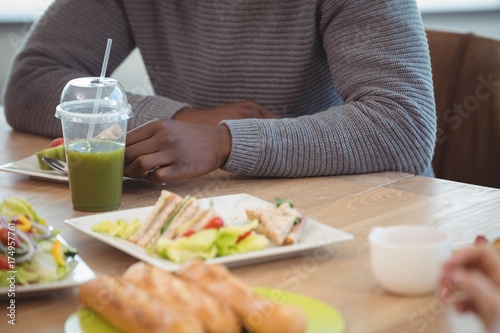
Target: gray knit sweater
(349, 79)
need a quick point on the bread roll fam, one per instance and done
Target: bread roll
(259, 315)
(133, 309)
(214, 316)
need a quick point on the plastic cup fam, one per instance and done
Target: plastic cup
(407, 259)
(94, 140)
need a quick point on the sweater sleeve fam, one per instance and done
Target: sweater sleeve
(379, 61)
(67, 42)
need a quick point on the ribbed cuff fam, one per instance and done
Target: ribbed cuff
(147, 108)
(244, 146)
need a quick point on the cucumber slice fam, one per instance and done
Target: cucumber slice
(54, 152)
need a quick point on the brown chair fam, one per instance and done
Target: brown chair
(466, 74)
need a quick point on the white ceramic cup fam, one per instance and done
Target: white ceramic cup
(407, 259)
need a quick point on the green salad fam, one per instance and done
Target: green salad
(29, 249)
(215, 240)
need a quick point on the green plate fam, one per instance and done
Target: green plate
(321, 317)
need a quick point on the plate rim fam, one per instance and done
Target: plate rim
(248, 258)
(35, 172)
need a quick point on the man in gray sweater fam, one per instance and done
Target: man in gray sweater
(290, 88)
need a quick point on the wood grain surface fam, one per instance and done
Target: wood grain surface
(339, 274)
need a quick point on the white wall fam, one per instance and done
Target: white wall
(133, 76)
(482, 23)
(11, 36)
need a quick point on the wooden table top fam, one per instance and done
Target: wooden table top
(342, 278)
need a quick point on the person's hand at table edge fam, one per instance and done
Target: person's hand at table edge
(163, 150)
(471, 282)
(213, 116)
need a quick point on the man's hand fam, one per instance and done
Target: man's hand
(169, 149)
(213, 116)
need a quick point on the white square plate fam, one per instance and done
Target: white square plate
(29, 167)
(232, 209)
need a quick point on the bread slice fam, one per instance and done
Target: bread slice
(277, 223)
(294, 234)
(189, 214)
(166, 205)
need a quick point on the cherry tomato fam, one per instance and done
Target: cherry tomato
(4, 236)
(245, 235)
(215, 223)
(187, 233)
(4, 264)
(57, 142)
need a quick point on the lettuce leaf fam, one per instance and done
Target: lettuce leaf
(227, 242)
(40, 268)
(12, 207)
(201, 245)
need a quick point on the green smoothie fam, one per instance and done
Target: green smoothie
(95, 170)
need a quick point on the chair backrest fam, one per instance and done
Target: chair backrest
(466, 74)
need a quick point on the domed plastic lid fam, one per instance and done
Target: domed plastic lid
(94, 99)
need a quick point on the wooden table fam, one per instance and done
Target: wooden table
(340, 275)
